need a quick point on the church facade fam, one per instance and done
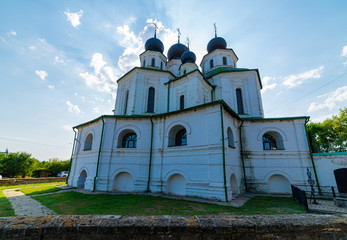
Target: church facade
(184, 130)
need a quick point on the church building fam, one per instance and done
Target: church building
(183, 129)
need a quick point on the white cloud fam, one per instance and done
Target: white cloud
(97, 62)
(320, 118)
(266, 83)
(344, 51)
(58, 60)
(74, 18)
(296, 80)
(67, 127)
(13, 33)
(103, 78)
(334, 98)
(32, 48)
(51, 87)
(72, 108)
(96, 110)
(345, 63)
(134, 43)
(42, 74)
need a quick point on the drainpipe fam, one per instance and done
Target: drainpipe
(168, 97)
(312, 161)
(73, 148)
(150, 157)
(97, 164)
(242, 160)
(223, 151)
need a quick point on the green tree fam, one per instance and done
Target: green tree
(18, 165)
(331, 134)
(54, 166)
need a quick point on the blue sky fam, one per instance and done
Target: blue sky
(59, 60)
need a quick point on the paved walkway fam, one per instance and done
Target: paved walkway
(24, 205)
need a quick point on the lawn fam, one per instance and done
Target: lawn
(5, 206)
(29, 189)
(105, 204)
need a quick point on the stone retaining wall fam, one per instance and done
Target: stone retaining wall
(305, 226)
(19, 181)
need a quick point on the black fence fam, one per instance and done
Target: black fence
(300, 196)
(319, 200)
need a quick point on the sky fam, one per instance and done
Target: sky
(60, 60)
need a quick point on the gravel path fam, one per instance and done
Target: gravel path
(24, 205)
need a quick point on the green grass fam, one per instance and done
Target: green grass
(29, 189)
(104, 204)
(5, 206)
(43, 188)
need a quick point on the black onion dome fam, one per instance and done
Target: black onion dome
(176, 51)
(154, 44)
(216, 43)
(188, 56)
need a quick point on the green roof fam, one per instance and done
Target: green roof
(195, 70)
(254, 119)
(230, 69)
(226, 107)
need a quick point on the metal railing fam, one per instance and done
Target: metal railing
(323, 201)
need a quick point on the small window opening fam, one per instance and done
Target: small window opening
(150, 103)
(153, 62)
(161, 65)
(182, 102)
(224, 61)
(88, 142)
(126, 102)
(239, 101)
(231, 142)
(211, 63)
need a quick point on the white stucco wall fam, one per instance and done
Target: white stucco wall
(326, 163)
(290, 162)
(199, 162)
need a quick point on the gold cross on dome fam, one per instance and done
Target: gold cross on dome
(188, 42)
(215, 29)
(155, 26)
(179, 34)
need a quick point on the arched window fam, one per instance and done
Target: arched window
(150, 103)
(239, 101)
(129, 140)
(184, 71)
(269, 142)
(272, 140)
(88, 142)
(211, 63)
(231, 142)
(181, 138)
(182, 102)
(126, 102)
(224, 61)
(144, 62)
(153, 62)
(161, 65)
(177, 136)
